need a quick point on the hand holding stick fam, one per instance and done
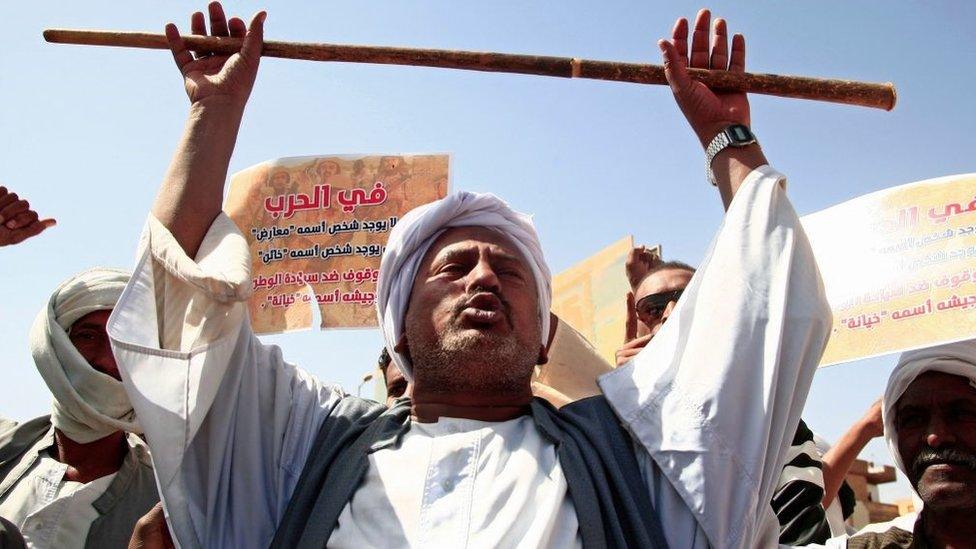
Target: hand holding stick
(864, 94)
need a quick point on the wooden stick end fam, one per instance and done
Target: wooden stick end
(894, 95)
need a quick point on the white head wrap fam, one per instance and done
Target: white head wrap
(419, 228)
(957, 358)
(88, 404)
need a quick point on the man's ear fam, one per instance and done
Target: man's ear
(544, 350)
(402, 347)
(543, 355)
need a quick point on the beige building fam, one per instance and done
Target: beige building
(864, 478)
(591, 296)
(905, 506)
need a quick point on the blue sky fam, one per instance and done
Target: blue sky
(88, 132)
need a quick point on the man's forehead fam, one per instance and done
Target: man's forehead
(96, 319)
(933, 386)
(459, 239)
(663, 281)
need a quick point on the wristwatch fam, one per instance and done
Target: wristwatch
(735, 135)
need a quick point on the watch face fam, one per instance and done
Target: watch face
(740, 134)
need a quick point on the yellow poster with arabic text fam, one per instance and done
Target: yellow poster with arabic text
(899, 267)
(317, 227)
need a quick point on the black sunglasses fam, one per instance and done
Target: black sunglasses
(653, 305)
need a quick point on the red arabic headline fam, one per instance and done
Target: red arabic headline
(285, 205)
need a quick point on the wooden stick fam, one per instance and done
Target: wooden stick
(849, 92)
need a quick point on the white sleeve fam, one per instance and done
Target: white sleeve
(229, 423)
(7, 425)
(715, 398)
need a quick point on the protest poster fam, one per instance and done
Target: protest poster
(899, 267)
(317, 227)
(591, 296)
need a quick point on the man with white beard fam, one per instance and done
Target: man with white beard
(682, 449)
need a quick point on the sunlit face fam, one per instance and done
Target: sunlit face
(935, 421)
(327, 169)
(89, 336)
(473, 320)
(665, 280)
(389, 164)
(280, 178)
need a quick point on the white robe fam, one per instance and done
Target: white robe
(459, 483)
(712, 402)
(49, 510)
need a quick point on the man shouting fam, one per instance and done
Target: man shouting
(683, 449)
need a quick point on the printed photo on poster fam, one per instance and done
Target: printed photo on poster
(317, 227)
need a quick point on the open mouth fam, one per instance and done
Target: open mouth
(483, 310)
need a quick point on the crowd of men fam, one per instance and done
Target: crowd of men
(503, 427)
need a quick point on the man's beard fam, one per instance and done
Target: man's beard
(463, 360)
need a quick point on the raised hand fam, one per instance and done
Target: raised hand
(872, 424)
(640, 261)
(18, 221)
(219, 77)
(632, 343)
(707, 111)
(218, 87)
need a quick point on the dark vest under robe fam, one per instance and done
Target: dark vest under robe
(596, 454)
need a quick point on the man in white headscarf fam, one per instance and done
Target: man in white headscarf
(929, 416)
(79, 477)
(682, 449)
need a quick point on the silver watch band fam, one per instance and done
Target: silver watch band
(735, 135)
(718, 143)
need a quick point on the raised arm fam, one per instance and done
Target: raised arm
(707, 111)
(218, 87)
(714, 398)
(229, 422)
(838, 460)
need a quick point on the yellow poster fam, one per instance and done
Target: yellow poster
(592, 297)
(317, 227)
(899, 267)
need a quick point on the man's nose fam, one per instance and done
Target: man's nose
(938, 433)
(483, 276)
(105, 357)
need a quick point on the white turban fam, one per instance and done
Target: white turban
(88, 404)
(418, 229)
(957, 358)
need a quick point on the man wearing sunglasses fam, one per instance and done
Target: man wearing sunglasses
(654, 294)
(656, 288)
